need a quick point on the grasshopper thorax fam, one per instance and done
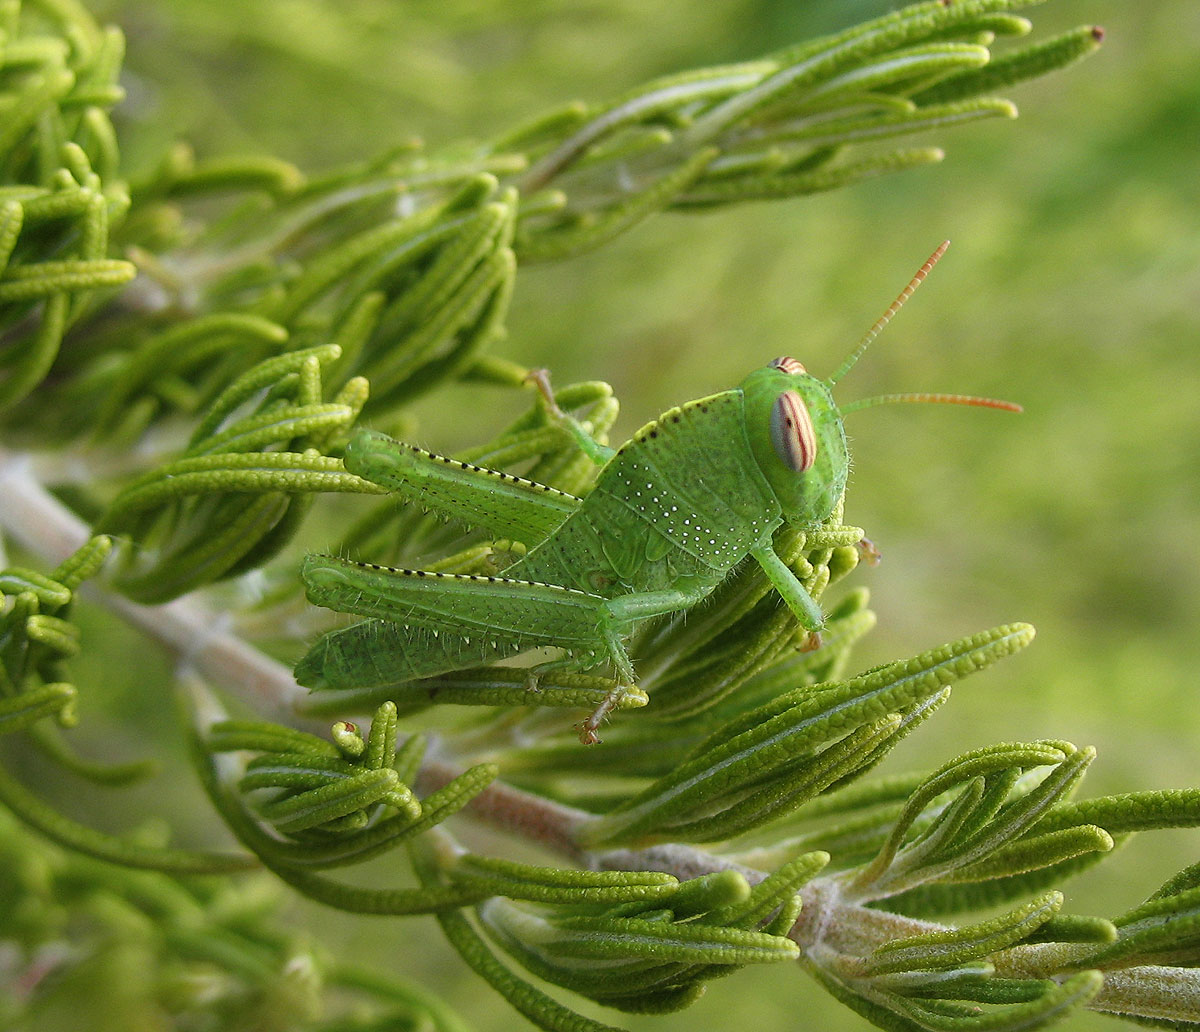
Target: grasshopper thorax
(797, 439)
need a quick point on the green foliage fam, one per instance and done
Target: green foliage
(170, 949)
(733, 815)
(58, 194)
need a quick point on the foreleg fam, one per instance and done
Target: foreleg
(792, 591)
(593, 449)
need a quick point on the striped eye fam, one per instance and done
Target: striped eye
(788, 365)
(792, 432)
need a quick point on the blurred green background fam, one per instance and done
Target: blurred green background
(1072, 287)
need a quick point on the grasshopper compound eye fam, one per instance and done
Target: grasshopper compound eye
(788, 365)
(792, 432)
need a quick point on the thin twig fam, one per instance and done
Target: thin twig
(41, 524)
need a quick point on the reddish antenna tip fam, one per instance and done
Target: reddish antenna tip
(968, 399)
(926, 398)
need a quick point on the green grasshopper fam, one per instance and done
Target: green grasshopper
(671, 514)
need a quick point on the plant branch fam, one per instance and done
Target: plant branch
(197, 636)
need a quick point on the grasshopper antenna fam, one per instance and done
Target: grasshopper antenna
(935, 399)
(886, 318)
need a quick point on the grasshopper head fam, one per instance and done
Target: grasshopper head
(797, 439)
(796, 430)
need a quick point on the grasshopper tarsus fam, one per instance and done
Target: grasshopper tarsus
(867, 552)
(540, 378)
(587, 735)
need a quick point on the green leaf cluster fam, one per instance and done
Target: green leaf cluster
(58, 192)
(37, 637)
